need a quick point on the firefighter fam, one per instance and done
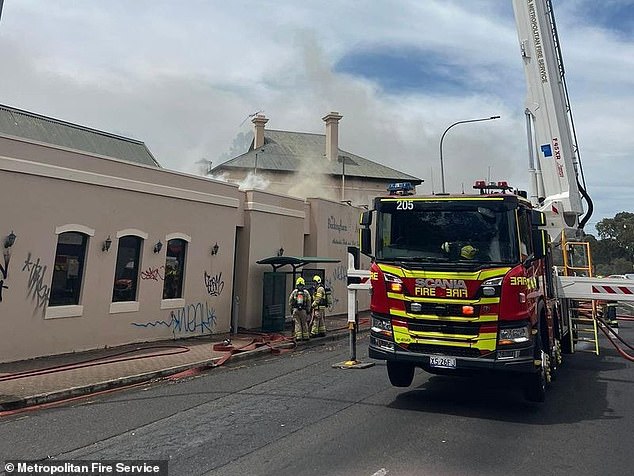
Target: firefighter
(458, 250)
(319, 304)
(299, 302)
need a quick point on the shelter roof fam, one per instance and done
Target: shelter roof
(295, 261)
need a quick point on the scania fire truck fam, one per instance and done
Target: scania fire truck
(460, 283)
(464, 283)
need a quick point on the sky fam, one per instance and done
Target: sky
(183, 77)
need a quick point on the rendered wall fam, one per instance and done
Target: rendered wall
(271, 222)
(45, 191)
(333, 228)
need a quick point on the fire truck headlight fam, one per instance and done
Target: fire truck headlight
(382, 326)
(491, 287)
(514, 335)
(393, 283)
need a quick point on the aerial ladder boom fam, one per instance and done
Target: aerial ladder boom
(556, 175)
(554, 161)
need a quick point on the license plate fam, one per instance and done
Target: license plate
(443, 362)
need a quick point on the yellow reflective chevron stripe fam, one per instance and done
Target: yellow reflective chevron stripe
(442, 335)
(481, 275)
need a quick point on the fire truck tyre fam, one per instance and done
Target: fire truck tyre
(400, 374)
(536, 382)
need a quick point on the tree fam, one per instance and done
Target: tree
(613, 253)
(621, 230)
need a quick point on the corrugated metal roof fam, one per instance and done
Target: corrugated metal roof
(286, 151)
(27, 125)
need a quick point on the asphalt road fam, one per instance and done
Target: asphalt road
(296, 415)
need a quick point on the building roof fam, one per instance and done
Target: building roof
(27, 125)
(285, 151)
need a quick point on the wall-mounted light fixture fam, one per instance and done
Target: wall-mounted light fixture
(9, 240)
(106, 244)
(214, 249)
(280, 252)
(158, 246)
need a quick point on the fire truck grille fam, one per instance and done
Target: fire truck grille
(440, 309)
(467, 328)
(444, 350)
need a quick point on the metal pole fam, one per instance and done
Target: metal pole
(343, 178)
(442, 169)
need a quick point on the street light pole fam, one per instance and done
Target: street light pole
(442, 169)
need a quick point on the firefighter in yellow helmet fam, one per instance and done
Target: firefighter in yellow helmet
(468, 252)
(299, 302)
(458, 251)
(318, 328)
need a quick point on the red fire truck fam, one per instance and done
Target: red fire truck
(460, 283)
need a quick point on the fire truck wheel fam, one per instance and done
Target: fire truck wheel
(536, 382)
(400, 374)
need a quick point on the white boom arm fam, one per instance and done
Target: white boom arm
(551, 140)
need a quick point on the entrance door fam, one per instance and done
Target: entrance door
(274, 302)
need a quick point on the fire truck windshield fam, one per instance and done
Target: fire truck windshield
(475, 231)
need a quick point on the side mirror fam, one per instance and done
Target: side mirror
(365, 234)
(365, 240)
(537, 218)
(366, 219)
(540, 242)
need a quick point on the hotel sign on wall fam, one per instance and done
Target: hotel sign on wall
(344, 234)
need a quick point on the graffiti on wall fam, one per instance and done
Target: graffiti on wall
(155, 274)
(340, 273)
(196, 318)
(214, 284)
(37, 290)
(4, 272)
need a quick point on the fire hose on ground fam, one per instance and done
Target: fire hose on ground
(610, 334)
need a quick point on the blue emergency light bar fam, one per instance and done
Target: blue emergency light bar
(400, 188)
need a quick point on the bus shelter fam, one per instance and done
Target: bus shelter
(274, 290)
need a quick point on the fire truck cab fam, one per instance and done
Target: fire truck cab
(460, 284)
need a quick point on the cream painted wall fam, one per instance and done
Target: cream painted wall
(42, 197)
(46, 190)
(272, 222)
(333, 227)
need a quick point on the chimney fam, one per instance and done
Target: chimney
(332, 134)
(258, 121)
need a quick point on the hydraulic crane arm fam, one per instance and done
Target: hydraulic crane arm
(555, 164)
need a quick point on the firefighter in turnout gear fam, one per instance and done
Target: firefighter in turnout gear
(299, 302)
(318, 328)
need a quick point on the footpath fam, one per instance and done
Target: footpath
(43, 381)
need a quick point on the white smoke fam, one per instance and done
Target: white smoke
(253, 181)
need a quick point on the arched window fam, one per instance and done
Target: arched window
(68, 271)
(174, 269)
(126, 276)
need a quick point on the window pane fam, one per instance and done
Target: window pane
(174, 269)
(127, 272)
(68, 270)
